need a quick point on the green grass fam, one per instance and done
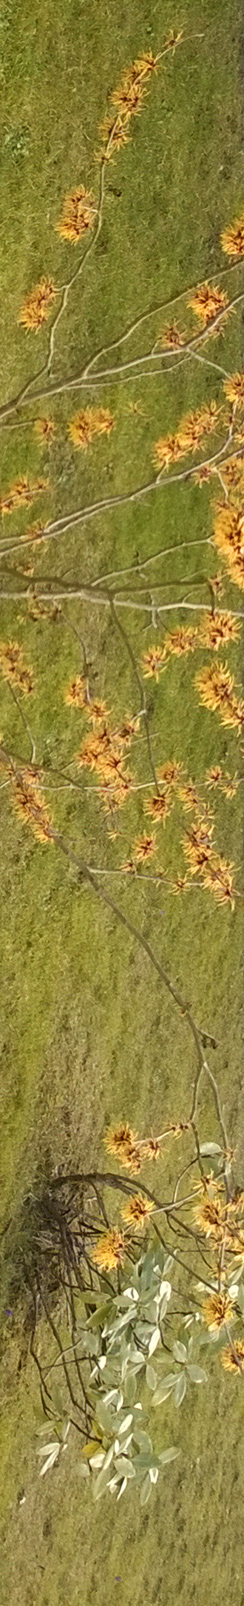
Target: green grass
(86, 1031)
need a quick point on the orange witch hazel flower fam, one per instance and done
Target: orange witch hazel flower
(144, 847)
(198, 848)
(234, 389)
(76, 694)
(207, 300)
(145, 64)
(158, 807)
(232, 238)
(217, 628)
(137, 1211)
(181, 884)
(229, 539)
(180, 641)
(97, 711)
(217, 690)
(232, 471)
(122, 1142)
(214, 775)
(21, 494)
(217, 875)
(169, 773)
(37, 305)
(196, 425)
(129, 96)
(233, 1358)
(209, 1216)
(167, 450)
(89, 422)
(78, 215)
(29, 803)
(188, 795)
(190, 433)
(128, 1149)
(109, 1252)
(119, 1138)
(230, 785)
(35, 532)
(114, 130)
(127, 101)
(217, 1310)
(45, 429)
(153, 661)
(14, 668)
(173, 337)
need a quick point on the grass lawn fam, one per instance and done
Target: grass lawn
(86, 1032)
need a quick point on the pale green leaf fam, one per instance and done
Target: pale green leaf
(180, 1389)
(127, 1420)
(47, 1449)
(197, 1374)
(130, 1389)
(123, 1487)
(50, 1462)
(168, 1455)
(103, 1416)
(165, 1290)
(164, 1389)
(210, 1148)
(151, 1377)
(143, 1440)
(145, 1490)
(154, 1340)
(145, 1460)
(124, 1466)
(97, 1460)
(179, 1352)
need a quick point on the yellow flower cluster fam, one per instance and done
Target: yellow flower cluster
(37, 305)
(144, 847)
(14, 668)
(216, 689)
(126, 102)
(153, 661)
(88, 422)
(234, 389)
(217, 628)
(189, 436)
(104, 748)
(180, 641)
(159, 806)
(177, 643)
(137, 1211)
(29, 804)
(45, 429)
(21, 494)
(233, 1358)
(109, 1252)
(218, 1310)
(207, 301)
(232, 239)
(76, 695)
(130, 1150)
(228, 783)
(78, 215)
(221, 1220)
(215, 872)
(173, 337)
(229, 539)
